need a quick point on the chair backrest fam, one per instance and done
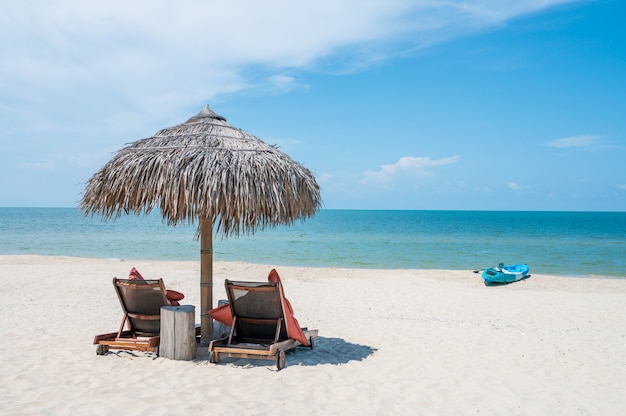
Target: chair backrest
(257, 306)
(141, 301)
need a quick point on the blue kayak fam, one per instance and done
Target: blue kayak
(505, 274)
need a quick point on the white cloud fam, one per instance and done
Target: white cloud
(407, 165)
(621, 186)
(324, 178)
(513, 186)
(83, 76)
(574, 141)
(282, 83)
(156, 56)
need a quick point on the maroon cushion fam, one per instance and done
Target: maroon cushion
(174, 296)
(222, 314)
(135, 275)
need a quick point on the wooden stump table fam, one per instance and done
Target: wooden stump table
(178, 332)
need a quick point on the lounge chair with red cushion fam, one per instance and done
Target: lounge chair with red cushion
(262, 323)
(141, 302)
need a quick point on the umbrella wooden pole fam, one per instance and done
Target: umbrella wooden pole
(206, 280)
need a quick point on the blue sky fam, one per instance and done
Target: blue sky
(393, 104)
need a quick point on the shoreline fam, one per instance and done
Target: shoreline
(402, 341)
(271, 265)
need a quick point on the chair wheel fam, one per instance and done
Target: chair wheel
(101, 349)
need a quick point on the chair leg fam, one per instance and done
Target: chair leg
(281, 360)
(102, 349)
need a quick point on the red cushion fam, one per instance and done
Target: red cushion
(222, 314)
(135, 275)
(293, 327)
(174, 296)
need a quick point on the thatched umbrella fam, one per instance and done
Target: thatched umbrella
(209, 171)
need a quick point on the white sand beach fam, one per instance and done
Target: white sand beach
(409, 342)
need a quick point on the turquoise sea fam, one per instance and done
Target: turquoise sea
(558, 243)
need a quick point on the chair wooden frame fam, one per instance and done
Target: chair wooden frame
(142, 317)
(256, 335)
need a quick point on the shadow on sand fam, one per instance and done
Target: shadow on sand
(329, 351)
(325, 351)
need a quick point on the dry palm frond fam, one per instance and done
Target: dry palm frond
(204, 168)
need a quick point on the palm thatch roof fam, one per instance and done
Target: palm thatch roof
(204, 169)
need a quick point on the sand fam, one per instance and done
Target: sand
(409, 342)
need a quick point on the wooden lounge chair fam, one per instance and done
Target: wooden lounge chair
(260, 324)
(141, 301)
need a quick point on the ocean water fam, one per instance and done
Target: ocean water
(558, 243)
